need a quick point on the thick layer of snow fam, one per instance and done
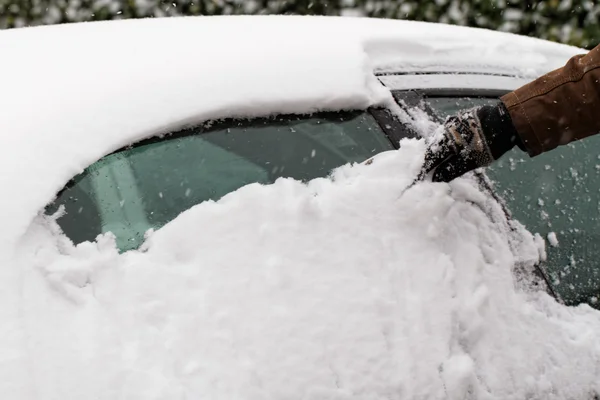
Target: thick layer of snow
(339, 289)
(344, 288)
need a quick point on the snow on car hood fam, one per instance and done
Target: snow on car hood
(342, 288)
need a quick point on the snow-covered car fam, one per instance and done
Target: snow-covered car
(187, 213)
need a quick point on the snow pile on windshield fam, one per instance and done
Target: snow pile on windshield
(346, 287)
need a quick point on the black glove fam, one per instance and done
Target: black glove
(472, 139)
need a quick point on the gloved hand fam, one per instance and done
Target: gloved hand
(472, 139)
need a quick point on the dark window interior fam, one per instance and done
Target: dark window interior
(149, 184)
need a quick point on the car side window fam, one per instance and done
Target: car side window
(147, 185)
(557, 195)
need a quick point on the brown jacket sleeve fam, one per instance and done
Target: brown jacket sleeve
(559, 107)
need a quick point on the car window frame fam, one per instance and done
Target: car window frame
(382, 127)
(390, 126)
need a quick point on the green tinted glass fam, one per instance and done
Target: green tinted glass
(148, 185)
(559, 192)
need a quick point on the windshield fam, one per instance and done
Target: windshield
(146, 186)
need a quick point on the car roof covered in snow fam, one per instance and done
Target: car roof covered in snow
(74, 93)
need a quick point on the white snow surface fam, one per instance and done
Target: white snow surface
(552, 239)
(343, 288)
